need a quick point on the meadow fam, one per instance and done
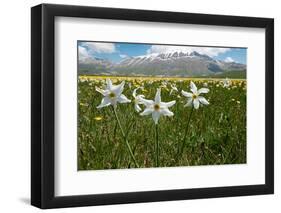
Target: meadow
(213, 134)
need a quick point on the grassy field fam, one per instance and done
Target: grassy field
(216, 133)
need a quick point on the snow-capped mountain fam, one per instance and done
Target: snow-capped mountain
(162, 57)
(168, 64)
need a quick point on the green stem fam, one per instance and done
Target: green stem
(186, 130)
(125, 138)
(157, 145)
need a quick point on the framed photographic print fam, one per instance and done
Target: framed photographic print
(140, 106)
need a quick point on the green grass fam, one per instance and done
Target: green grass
(216, 133)
(231, 74)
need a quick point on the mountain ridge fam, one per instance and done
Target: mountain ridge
(163, 64)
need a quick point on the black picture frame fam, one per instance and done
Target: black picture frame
(43, 105)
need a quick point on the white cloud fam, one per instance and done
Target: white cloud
(229, 59)
(99, 47)
(83, 53)
(210, 51)
(123, 56)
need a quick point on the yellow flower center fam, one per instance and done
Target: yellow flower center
(194, 96)
(156, 107)
(112, 95)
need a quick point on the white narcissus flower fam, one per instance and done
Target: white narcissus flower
(137, 99)
(112, 94)
(194, 99)
(157, 107)
(173, 88)
(226, 83)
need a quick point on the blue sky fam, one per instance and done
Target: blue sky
(237, 54)
(116, 52)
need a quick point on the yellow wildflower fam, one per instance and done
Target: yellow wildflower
(98, 118)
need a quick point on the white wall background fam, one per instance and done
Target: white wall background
(15, 106)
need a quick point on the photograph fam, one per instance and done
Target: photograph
(146, 105)
(139, 105)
